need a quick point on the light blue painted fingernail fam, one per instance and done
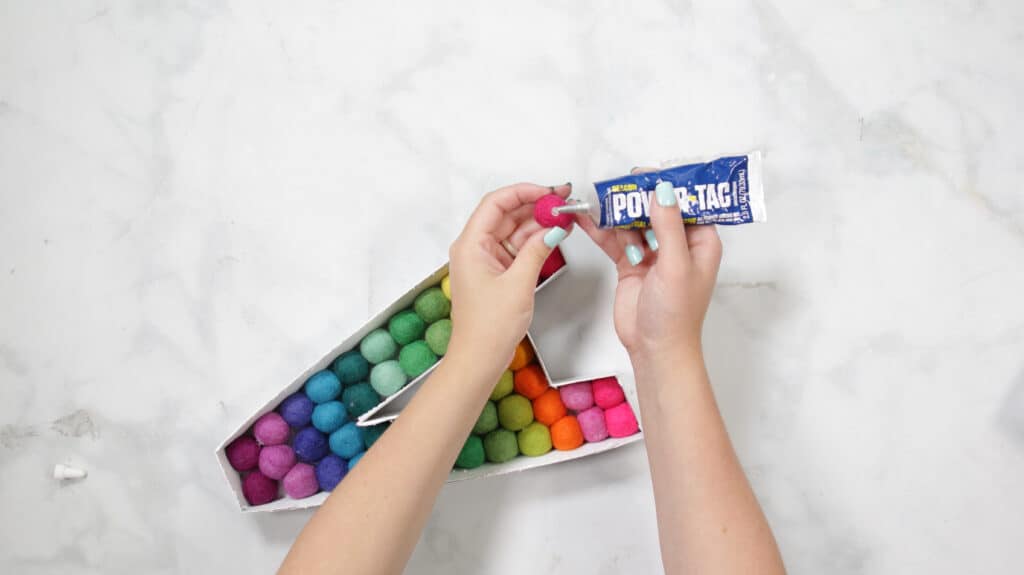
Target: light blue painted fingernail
(634, 254)
(652, 242)
(666, 194)
(554, 237)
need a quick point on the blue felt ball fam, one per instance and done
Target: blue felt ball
(329, 416)
(330, 471)
(355, 459)
(296, 409)
(347, 441)
(310, 445)
(323, 386)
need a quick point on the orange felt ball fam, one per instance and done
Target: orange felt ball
(566, 433)
(530, 382)
(548, 408)
(522, 356)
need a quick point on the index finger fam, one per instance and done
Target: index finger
(499, 204)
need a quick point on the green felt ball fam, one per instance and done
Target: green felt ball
(351, 367)
(431, 305)
(378, 346)
(472, 454)
(387, 377)
(406, 326)
(372, 434)
(359, 399)
(416, 358)
(438, 335)
(534, 439)
(515, 412)
(505, 386)
(488, 420)
(500, 445)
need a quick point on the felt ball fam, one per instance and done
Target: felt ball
(592, 424)
(548, 408)
(500, 445)
(621, 421)
(607, 392)
(530, 381)
(323, 386)
(522, 356)
(329, 416)
(577, 396)
(351, 367)
(534, 439)
(542, 212)
(296, 409)
(330, 471)
(552, 264)
(372, 434)
(446, 287)
(488, 420)
(566, 434)
(406, 326)
(472, 454)
(438, 335)
(432, 305)
(301, 481)
(347, 441)
(243, 453)
(258, 488)
(276, 460)
(386, 378)
(378, 346)
(310, 444)
(355, 459)
(504, 387)
(359, 399)
(515, 412)
(416, 358)
(271, 429)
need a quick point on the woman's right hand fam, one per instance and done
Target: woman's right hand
(664, 288)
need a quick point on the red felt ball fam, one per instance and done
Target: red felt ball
(258, 488)
(243, 453)
(542, 212)
(551, 265)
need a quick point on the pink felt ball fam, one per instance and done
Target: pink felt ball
(243, 453)
(551, 265)
(607, 392)
(276, 461)
(301, 481)
(577, 396)
(258, 488)
(620, 421)
(271, 429)
(592, 424)
(542, 212)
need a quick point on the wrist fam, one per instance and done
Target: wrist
(475, 361)
(666, 359)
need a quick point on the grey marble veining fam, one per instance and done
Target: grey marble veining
(199, 199)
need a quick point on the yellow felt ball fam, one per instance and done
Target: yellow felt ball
(446, 287)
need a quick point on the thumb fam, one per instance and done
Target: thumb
(531, 257)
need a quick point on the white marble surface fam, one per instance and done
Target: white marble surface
(199, 199)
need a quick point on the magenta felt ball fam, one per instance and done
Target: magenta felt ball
(577, 396)
(542, 212)
(592, 424)
(607, 392)
(243, 453)
(271, 429)
(276, 461)
(620, 420)
(258, 488)
(301, 481)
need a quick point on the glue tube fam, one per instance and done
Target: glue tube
(726, 191)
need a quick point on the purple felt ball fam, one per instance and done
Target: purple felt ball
(243, 453)
(330, 471)
(592, 424)
(577, 396)
(258, 488)
(310, 445)
(301, 481)
(276, 461)
(296, 409)
(271, 429)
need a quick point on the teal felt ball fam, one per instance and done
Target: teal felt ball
(359, 399)
(323, 386)
(351, 367)
(406, 326)
(378, 346)
(416, 358)
(372, 434)
(431, 305)
(387, 377)
(347, 441)
(438, 335)
(329, 416)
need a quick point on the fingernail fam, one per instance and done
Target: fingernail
(554, 237)
(666, 194)
(634, 169)
(634, 254)
(569, 184)
(652, 241)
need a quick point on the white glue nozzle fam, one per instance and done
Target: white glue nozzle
(61, 471)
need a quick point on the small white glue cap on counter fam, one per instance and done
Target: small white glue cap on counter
(61, 471)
